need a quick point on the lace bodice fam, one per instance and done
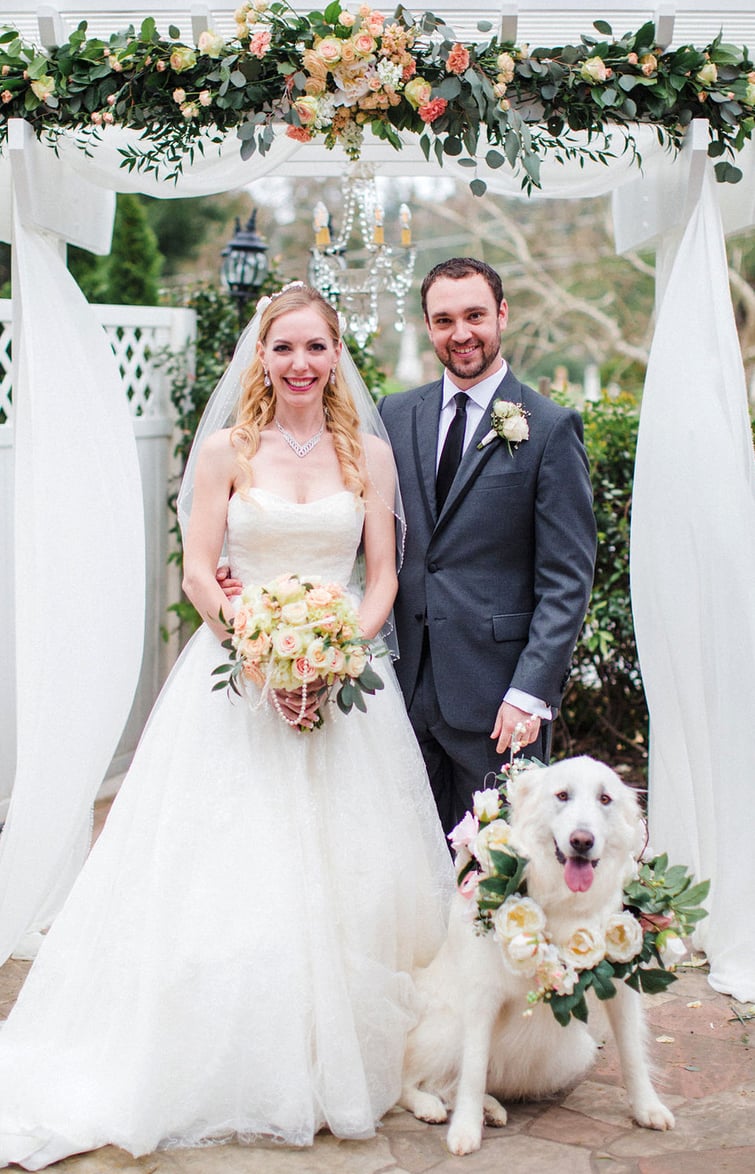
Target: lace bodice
(269, 535)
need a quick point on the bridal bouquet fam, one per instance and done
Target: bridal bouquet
(299, 635)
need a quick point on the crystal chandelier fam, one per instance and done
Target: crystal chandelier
(354, 289)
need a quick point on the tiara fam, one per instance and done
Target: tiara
(263, 303)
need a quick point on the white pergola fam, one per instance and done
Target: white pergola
(78, 507)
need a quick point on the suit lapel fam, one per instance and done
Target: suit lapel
(426, 423)
(474, 458)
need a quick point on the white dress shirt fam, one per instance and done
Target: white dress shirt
(480, 395)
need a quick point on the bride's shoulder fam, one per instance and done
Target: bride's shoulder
(218, 452)
(376, 449)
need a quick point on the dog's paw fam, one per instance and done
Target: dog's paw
(426, 1107)
(495, 1114)
(654, 1115)
(464, 1137)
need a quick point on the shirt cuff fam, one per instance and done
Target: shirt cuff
(529, 704)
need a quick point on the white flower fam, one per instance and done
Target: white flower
(211, 43)
(553, 974)
(523, 953)
(671, 948)
(487, 804)
(464, 833)
(585, 948)
(496, 836)
(518, 915)
(389, 73)
(509, 421)
(624, 936)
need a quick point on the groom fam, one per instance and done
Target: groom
(500, 544)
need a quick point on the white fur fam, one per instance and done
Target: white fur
(473, 1043)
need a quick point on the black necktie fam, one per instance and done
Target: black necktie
(453, 447)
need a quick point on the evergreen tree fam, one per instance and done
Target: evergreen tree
(135, 260)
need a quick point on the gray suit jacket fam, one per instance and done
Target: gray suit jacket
(502, 577)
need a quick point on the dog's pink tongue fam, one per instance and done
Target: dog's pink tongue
(578, 874)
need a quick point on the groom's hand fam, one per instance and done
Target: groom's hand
(229, 586)
(511, 722)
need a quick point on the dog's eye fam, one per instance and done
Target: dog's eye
(605, 799)
(563, 796)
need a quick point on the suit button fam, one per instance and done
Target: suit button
(432, 568)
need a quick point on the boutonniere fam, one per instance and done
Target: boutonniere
(509, 422)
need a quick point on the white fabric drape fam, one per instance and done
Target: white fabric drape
(79, 558)
(693, 569)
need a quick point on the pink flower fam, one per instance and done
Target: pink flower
(432, 109)
(468, 887)
(179, 95)
(458, 61)
(302, 134)
(260, 43)
(161, 66)
(465, 832)
(6, 96)
(205, 98)
(108, 117)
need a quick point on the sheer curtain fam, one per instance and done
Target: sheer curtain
(693, 533)
(693, 569)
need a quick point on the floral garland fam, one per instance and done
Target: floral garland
(661, 906)
(337, 72)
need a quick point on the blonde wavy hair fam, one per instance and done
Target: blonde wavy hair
(256, 407)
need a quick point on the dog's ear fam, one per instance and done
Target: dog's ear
(522, 783)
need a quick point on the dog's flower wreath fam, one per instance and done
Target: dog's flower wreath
(661, 906)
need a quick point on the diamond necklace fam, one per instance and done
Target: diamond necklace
(301, 450)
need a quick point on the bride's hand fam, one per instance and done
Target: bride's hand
(290, 703)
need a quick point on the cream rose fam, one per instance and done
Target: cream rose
(43, 87)
(294, 613)
(211, 43)
(303, 670)
(623, 935)
(316, 653)
(287, 642)
(708, 75)
(287, 588)
(182, 58)
(585, 948)
(495, 836)
(306, 108)
(356, 661)
(486, 804)
(594, 69)
(523, 952)
(518, 915)
(329, 50)
(417, 92)
(649, 64)
(516, 429)
(335, 660)
(364, 44)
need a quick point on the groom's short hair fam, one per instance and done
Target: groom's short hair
(458, 267)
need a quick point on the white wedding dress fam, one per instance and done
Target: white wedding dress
(233, 959)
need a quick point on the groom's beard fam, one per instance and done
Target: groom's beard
(476, 365)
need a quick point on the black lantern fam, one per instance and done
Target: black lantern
(244, 264)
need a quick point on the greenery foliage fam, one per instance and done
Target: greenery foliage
(604, 709)
(334, 73)
(135, 260)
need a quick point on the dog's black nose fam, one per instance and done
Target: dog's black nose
(581, 841)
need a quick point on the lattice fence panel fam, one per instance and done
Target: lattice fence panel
(5, 371)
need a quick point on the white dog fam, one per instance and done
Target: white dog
(579, 827)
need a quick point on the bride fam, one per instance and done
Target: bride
(233, 960)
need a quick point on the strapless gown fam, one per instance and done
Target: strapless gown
(233, 960)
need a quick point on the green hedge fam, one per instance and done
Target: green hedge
(604, 711)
